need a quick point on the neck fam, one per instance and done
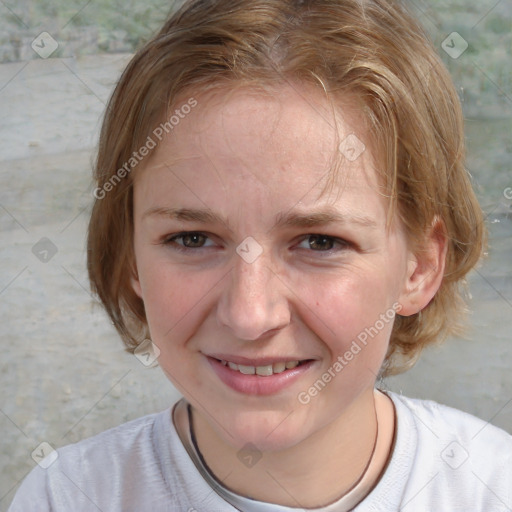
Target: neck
(318, 470)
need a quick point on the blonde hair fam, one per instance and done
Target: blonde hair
(371, 49)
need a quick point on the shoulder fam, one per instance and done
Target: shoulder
(125, 440)
(89, 471)
(458, 458)
(444, 422)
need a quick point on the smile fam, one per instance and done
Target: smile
(263, 371)
(262, 377)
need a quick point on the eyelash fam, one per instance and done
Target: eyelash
(172, 241)
(342, 244)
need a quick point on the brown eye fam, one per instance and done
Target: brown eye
(193, 240)
(320, 242)
(189, 240)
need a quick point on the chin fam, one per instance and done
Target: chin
(266, 430)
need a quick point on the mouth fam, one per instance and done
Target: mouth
(266, 370)
(259, 376)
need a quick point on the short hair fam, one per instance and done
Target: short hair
(373, 50)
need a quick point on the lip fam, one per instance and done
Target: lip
(257, 361)
(256, 384)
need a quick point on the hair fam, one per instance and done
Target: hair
(373, 50)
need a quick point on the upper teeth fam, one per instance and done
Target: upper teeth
(264, 371)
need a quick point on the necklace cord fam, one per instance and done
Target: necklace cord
(350, 489)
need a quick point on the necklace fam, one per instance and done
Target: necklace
(349, 499)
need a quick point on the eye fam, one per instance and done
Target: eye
(189, 240)
(322, 243)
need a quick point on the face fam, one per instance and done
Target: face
(247, 263)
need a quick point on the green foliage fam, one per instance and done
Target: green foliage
(483, 71)
(134, 20)
(499, 25)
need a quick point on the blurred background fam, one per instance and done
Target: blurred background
(63, 370)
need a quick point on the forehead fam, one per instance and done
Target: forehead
(287, 143)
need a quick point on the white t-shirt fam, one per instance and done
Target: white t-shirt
(443, 460)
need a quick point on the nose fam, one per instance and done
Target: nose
(254, 301)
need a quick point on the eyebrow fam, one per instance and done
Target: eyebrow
(185, 214)
(308, 220)
(296, 220)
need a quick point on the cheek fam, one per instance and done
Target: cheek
(349, 319)
(352, 308)
(177, 304)
(175, 300)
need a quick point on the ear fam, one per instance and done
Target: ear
(134, 279)
(136, 286)
(425, 271)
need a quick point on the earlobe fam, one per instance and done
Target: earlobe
(136, 286)
(135, 281)
(425, 271)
